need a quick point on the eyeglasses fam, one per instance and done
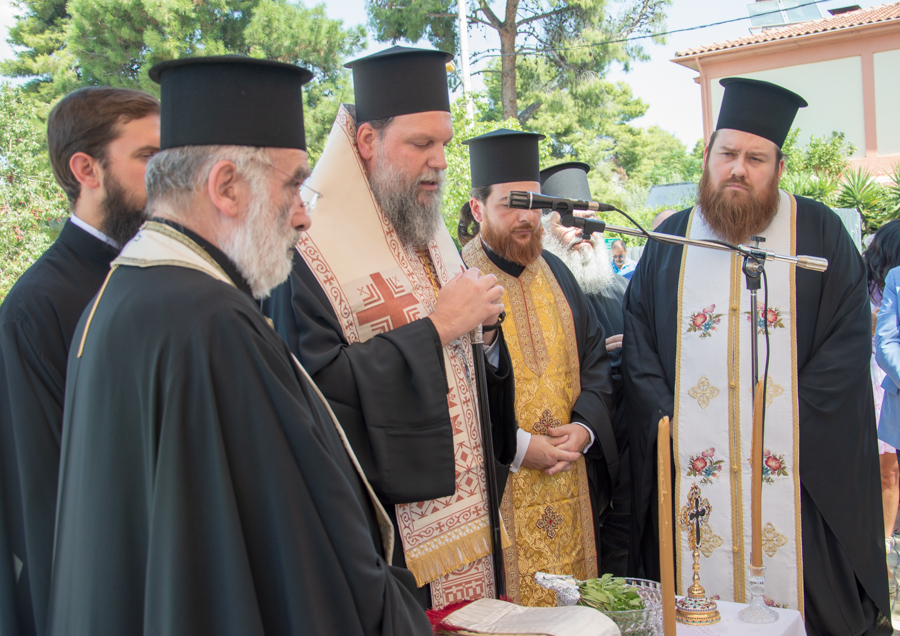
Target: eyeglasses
(308, 196)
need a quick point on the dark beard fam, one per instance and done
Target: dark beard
(415, 222)
(503, 243)
(122, 217)
(736, 216)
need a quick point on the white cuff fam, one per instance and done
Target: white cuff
(492, 353)
(523, 439)
(590, 432)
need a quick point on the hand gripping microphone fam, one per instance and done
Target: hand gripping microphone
(535, 201)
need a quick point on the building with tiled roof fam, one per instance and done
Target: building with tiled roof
(847, 66)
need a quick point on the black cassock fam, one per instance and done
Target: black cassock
(844, 571)
(390, 395)
(595, 407)
(37, 320)
(615, 520)
(203, 486)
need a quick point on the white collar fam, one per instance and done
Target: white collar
(90, 229)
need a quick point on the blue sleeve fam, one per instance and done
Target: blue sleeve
(887, 337)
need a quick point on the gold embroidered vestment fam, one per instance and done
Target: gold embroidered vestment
(548, 518)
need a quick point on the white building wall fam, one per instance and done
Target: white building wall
(887, 101)
(834, 92)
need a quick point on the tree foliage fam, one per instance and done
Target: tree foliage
(580, 39)
(66, 45)
(30, 200)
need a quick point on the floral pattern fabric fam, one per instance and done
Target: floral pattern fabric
(772, 316)
(704, 322)
(705, 466)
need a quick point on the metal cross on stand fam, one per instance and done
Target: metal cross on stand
(695, 608)
(695, 515)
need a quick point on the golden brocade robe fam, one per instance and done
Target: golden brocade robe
(548, 518)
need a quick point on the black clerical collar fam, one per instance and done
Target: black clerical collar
(508, 267)
(217, 255)
(87, 245)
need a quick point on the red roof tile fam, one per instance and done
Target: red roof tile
(881, 13)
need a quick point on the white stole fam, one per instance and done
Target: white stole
(713, 415)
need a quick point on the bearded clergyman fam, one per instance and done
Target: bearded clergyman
(688, 325)
(588, 260)
(206, 486)
(379, 308)
(564, 394)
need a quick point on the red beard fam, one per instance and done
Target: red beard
(735, 216)
(504, 243)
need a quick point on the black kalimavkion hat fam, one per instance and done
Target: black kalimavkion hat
(400, 81)
(504, 156)
(231, 100)
(757, 107)
(567, 180)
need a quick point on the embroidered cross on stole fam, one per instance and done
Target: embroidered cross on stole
(548, 518)
(375, 287)
(713, 416)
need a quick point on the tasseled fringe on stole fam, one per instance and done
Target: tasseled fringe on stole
(447, 558)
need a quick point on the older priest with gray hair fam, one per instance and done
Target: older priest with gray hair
(205, 485)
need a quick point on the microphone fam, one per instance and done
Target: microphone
(588, 226)
(534, 201)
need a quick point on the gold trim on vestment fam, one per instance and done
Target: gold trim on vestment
(87, 325)
(798, 526)
(676, 458)
(510, 560)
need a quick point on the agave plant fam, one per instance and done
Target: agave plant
(815, 185)
(861, 191)
(796, 182)
(892, 194)
(825, 188)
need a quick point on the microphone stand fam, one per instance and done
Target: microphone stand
(490, 470)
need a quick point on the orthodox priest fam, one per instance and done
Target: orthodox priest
(588, 260)
(99, 141)
(564, 394)
(379, 308)
(688, 327)
(205, 484)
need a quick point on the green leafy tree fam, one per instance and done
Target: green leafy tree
(30, 200)
(581, 39)
(66, 45)
(827, 155)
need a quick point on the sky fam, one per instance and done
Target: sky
(668, 88)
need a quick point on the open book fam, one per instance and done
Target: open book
(489, 616)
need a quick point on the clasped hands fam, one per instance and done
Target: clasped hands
(558, 450)
(467, 300)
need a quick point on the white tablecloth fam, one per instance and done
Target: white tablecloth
(789, 623)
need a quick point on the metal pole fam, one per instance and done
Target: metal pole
(464, 54)
(490, 470)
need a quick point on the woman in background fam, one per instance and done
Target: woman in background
(881, 256)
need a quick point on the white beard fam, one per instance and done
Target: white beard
(591, 268)
(262, 247)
